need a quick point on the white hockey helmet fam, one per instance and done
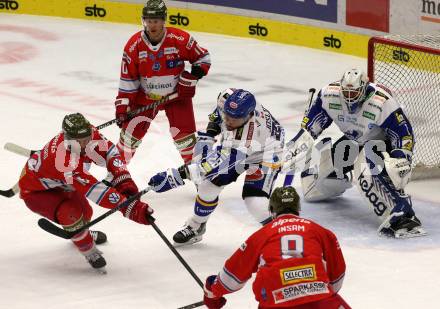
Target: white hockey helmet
(354, 83)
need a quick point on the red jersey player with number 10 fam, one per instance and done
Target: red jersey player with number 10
(153, 66)
(299, 264)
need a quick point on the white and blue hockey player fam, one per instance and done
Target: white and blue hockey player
(250, 140)
(376, 149)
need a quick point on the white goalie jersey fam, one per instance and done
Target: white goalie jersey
(379, 118)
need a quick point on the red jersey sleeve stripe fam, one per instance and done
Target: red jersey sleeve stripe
(97, 192)
(229, 281)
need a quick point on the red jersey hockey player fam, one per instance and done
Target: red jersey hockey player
(299, 264)
(153, 66)
(55, 183)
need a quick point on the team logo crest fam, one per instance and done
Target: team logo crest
(233, 105)
(118, 163)
(156, 66)
(114, 198)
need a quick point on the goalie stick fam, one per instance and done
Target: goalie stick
(288, 179)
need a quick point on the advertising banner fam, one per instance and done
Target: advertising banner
(415, 17)
(323, 10)
(375, 15)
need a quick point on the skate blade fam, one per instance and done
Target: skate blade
(101, 271)
(189, 242)
(415, 232)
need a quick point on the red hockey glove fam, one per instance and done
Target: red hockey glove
(121, 111)
(138, 212)
(125, 185)
(209, 299)
(122, 180)
(186, 88)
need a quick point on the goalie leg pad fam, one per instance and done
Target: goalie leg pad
(316, 189)
(319, 180)
(393, 207)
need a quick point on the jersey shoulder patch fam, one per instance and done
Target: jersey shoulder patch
(382, 95)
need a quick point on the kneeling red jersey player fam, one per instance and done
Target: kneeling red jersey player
(56, 184)
(299, 264)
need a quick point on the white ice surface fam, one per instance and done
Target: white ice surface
(53, 66)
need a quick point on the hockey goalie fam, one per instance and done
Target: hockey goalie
(374, 153)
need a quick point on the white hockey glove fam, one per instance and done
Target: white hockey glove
(398, 169)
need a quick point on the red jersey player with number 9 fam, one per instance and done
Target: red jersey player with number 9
(153, 66)
(299, 264)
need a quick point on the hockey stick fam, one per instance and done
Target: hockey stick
(195, 305)
(27, 152)
(177, 254)
(131, 114)
(14, 148)
(22, 152)
(288, 179)
(57, 231)
(10, 192)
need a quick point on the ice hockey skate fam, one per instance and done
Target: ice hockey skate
(190, 234)
(99, 237)
(404, 227)
(96, 260)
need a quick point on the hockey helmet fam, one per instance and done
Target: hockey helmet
(76, 126)
(222, 96)
(240, 104)
(284, 200)
(155, 9)
(354, 83)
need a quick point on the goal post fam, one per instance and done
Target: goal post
(410, 67)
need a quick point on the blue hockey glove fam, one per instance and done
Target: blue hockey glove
(165, 181)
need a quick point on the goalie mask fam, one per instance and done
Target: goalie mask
(353, 86)
(284, 200)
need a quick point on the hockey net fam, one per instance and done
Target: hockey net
(410, 67)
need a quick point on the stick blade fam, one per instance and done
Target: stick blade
(7, 193)
(10, 192)
(53, 229)
(17, 149)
